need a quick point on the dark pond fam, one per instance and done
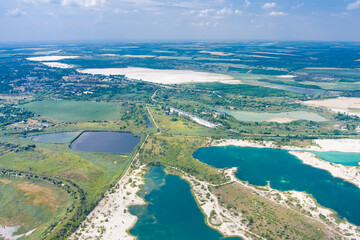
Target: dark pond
(105, 142)
(148, 123)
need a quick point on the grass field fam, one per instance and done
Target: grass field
(267, 219)
(30, 204)
(73, 111)
(177, 152)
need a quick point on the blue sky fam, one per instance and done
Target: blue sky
(122, 20)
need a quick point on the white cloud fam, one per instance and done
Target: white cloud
(83, 3)
(224, 11)
(78, 3)
(15, 13)
(269, 5)
(353, 5)
(281, 13)
(237, 11)
(297, 6)
(205, 12)
(36, 2)
(201, 24)
(247, 3)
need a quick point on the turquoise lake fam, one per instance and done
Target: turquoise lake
(286, 172)
(172, 212)
(55, 137)
(346, 159)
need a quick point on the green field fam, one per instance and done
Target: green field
(30, 205)
(73, 111)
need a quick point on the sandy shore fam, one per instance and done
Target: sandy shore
(217, 53)
(50, 58)
(281, 120)
(111, 219)
(8, 232)
(230, 223)
(348, 173)
(323, 145)
(217, 216)
(163, 76)
(339, 145)
(340, 105)
(58, 65)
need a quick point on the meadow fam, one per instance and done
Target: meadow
(75, 111)
(29, 205)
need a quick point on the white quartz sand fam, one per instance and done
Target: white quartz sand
(50, 58)
(217, 53)
(342, 105)
(338, 145)
(323, 145)
(58, 65)
(163, 76)
(348, 173)
(110, 219)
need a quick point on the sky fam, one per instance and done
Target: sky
(153, 20)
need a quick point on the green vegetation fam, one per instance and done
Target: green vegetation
(31, 204)
(73, 111)
(115, 103)
(176, 152)
(268, 219)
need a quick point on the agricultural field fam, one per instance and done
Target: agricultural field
(73, 111)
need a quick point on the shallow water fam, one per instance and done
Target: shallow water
(172, 213)
(105, 142)
(148, 123)
(343, 158)
(55, 137)
(284, 172)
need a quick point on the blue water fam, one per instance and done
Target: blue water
(347, 159)
(55, 137)
(105, 142)
(148, 123)
(172, 213)
(286, 172)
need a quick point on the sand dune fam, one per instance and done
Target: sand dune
(341, 105)
(50, 58)
(58, 65)
(163, 76)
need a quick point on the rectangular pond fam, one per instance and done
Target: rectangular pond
(105, 142)
(55, 137)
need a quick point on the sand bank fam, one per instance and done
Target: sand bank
(349, 106)
(229, 223)
(8, 232)
(163, 76)
(110, 219)
(323, 145)
(348, 173)
(217, 53)
(281, 120)
(50, 58)
(58, 65)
